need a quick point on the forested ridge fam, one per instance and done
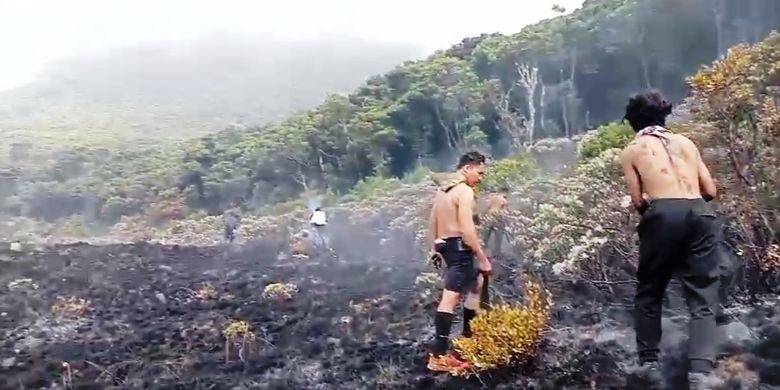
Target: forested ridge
(497, 93)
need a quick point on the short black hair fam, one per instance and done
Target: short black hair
(471, 158)
(317, 209)
(649, 108)
(503, 189)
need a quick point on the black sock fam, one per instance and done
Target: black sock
(468, 315)
(443, 322)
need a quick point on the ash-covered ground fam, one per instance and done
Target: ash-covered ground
(361, 319)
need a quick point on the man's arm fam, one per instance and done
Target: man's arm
(707, 186)
(633, 180)
(465, 215)
(433, 225)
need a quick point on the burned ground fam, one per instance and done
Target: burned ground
(355, 323)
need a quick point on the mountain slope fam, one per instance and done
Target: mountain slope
(165, 91)
(496, 93)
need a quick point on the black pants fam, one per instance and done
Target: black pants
(462, 271)
(230, 233)
(679, 236)
(496, 230)
(726, 273)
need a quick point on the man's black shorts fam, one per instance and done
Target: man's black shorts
(461, 273)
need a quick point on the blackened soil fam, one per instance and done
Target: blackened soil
(354, 324)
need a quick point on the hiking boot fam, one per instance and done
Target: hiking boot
(447, 363)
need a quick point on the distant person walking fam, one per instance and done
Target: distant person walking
(318, 222)
(232, 222)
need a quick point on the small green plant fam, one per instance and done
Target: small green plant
(238, 333)
(509, 172)
(280, 291)
(610, 136)
(418, 175)
(71, 307)
(509, 332)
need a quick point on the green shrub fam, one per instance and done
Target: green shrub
(289, 206)
(418, 175)
(609, 136)
(373, 186)
(509, 172)
(115, 207)
(72, 226)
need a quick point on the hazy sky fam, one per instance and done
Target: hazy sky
(35, 32)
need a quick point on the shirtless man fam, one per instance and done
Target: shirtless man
(495, 205)
(678, 233)
(454, 236)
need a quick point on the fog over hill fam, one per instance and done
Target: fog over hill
(187, 89)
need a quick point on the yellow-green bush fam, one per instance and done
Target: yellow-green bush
(509, 172)
(508, 332)
(373, 186)
(613, 135)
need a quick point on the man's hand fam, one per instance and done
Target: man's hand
(485, 267)
(642, 207)
(435, 258)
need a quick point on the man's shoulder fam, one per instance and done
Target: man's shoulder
(462, 188)
(628, 151)
(461, 191)
(682, 139)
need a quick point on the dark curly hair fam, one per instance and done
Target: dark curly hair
(471, 158)
(648, 108)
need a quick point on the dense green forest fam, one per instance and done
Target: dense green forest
(496, 93)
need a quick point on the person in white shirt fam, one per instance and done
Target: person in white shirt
(318, 218)
(318, 222)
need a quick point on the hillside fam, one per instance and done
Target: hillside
(148, 316)
(271, 311)
(263, 313)
(577, 70)
(163, 91)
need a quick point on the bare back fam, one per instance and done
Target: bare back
(672, 174)
(445, 210)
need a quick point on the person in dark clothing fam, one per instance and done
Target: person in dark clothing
(726, 274)
(679, 233)
(726, 277)
(232, 221)
(495, 221)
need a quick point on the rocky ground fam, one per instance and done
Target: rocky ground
(151, 316)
